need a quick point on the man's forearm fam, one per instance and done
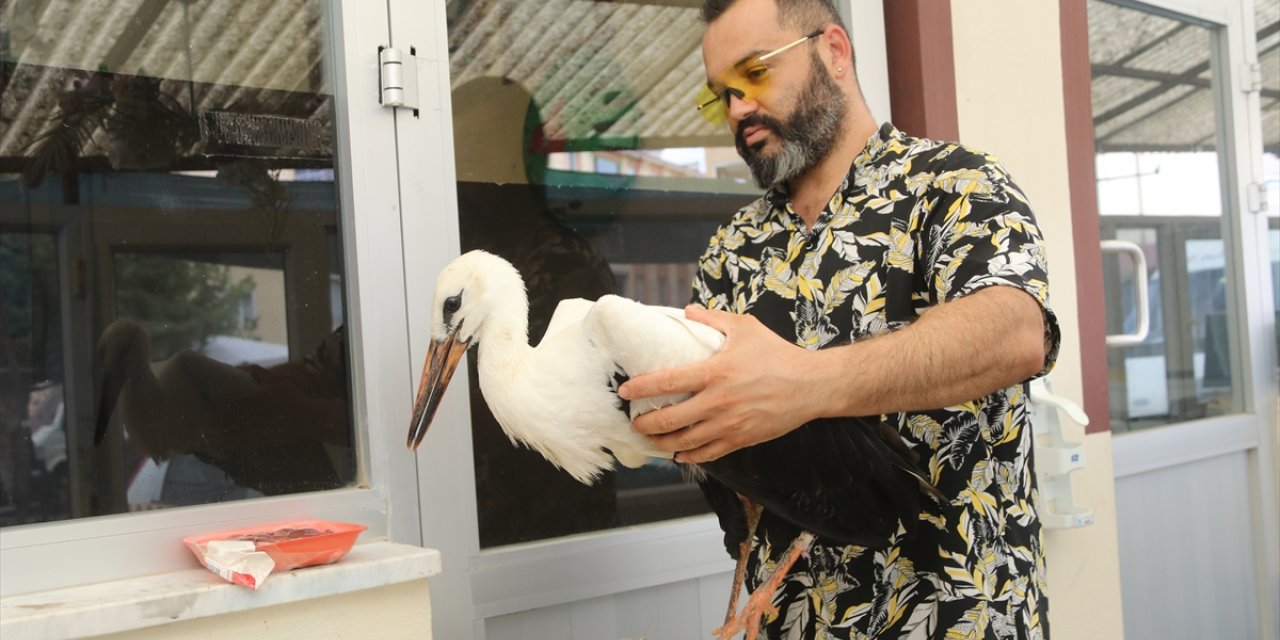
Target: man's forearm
(955, 352)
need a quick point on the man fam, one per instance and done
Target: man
(879, 275)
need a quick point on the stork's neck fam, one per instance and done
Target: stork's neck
(146, 406)
(504, 336)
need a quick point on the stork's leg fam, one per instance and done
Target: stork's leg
(752, 512)
(761, 600)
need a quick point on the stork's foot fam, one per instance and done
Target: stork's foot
(748, 619)
(761, 600)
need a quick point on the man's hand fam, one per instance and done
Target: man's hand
(756, 388)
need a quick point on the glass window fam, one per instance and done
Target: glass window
(1159, 172)
(582, 159)
(171, 297)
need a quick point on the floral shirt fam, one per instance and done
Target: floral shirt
(915, 223)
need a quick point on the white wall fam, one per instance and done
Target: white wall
(687, 609)
(1010, 103)
(396, 612)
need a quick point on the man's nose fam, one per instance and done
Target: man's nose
(738, 106)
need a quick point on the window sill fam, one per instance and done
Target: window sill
(148, 601)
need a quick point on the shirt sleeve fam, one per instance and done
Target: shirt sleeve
(982, 233)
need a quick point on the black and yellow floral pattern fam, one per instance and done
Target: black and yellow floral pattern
(916, 223)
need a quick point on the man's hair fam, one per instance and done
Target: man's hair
(801, 15)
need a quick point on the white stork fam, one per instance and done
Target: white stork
(835, 478)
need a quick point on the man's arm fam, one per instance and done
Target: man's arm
(759, 386)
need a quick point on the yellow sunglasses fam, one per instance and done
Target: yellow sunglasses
(746, 80)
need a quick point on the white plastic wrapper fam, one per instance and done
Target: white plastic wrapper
(237, 561)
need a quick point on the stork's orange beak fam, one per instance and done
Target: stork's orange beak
(441, 362)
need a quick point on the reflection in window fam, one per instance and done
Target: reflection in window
(33, 410)
(582, 160)
(606, 165)
(171, 314)
(1158, 172)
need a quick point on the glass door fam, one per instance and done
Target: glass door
(561, 135)
(1183, 167)
(1268, 52)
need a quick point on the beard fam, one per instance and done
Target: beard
(805, 138)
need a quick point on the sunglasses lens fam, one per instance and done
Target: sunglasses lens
(747, 80)
(710, 105)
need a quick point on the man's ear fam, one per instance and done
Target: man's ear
(836, 48)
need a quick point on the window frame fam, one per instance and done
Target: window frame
(64, 554)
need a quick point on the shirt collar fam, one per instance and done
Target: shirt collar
(778, 196)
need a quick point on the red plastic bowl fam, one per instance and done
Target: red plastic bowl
(293, 544)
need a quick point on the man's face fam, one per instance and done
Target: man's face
(790, 125)
(803, 138)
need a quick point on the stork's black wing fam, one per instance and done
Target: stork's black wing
(850, 480)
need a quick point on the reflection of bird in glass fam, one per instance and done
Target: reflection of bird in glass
(266, 427)
(849, 480)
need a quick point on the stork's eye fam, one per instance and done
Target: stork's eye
(452, 304)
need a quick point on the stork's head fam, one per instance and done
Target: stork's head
(470, 291)
(122, 346)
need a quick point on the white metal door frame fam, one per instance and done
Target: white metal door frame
(1254, 429)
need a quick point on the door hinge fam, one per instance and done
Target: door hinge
(398, 78)
(1252, 78)
(1256, 197)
